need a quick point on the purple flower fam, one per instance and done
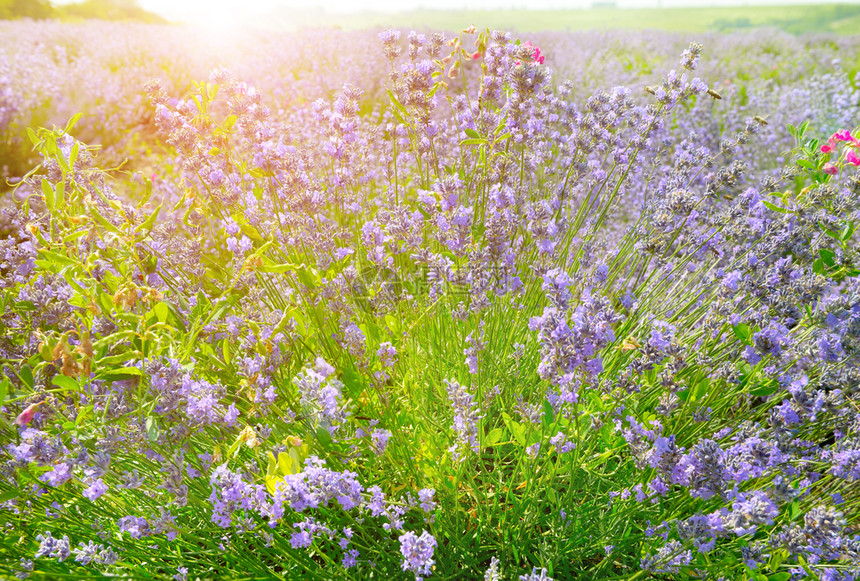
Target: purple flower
(51, 547)
(231, 415)
(136, 526)
(95, 490)
(417, 552)
(85, 554)
(466, 416)
(350, 558)
(301, 539)
(425, 495)
(379, 438)
(536, 575)
(58, 476)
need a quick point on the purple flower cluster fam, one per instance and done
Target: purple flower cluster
(417, 553)
(572, 337)
(466, 416)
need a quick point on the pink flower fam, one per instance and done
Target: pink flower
(538, 57)
(26, 416)
(853, 158)
(476, 55)
(831, 169)
(843, 135)
(827, 148)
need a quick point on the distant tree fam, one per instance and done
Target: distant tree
(38, 9)
(109, 10)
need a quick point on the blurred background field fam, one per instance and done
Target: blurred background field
(843, 18)
(796, 19)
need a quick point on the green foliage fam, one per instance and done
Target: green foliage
(121, 10)
(36, 9)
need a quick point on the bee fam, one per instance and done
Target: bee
(760, 120)
(630, 344)
(650, 90)
(714, 94)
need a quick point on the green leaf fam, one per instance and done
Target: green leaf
(73, 155)
(396, 102)
(763, 390)
(473, 134)
(72, 122)
(105, 302)
(289, 463)
(83, 413)
(832, 233)
(162, 311)
(34, 139)
(777, 558)
(48, 194)
(399, 116)
(473, 142)
(61, 159)
(742, 332)
(102, 220)
(271, 466)
(494, 437)
(120, 373)
(57, 258)
(225, 351)
(794, 511)
(60, 192)
(324, 438)
(147, 225)
(65, 382)
(251, 232)
(547, 413)
(818, 266)
(274, 268)
(147, 192)
(26, 375)
(114, 359)
(305, 276)
(518, 431)
(776, 208)
(828, 256)
(151, 429)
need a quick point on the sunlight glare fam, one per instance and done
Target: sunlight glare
(218, 24)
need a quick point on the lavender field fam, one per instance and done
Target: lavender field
(467, 304)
